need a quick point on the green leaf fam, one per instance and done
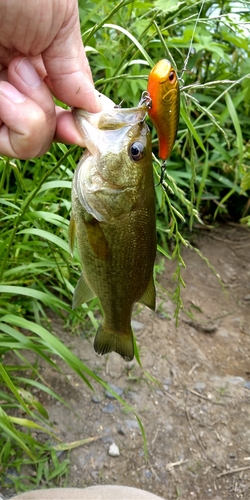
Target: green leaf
(46, 298)
(245, 182)
(13, 389)
(7, 426)
(46, 235)
(235, 120)
(29, 424)
(56, 346)
(58, 184)
(225, 181)
(55, 219)
(134, 40)
(192, 129)
(168, 5)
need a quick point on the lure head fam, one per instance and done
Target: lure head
(163, 88)
(163, 73)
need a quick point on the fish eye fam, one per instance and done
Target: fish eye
(136, 151)
(172, 76)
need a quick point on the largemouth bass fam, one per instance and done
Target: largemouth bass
(113, 216)
(163, 88)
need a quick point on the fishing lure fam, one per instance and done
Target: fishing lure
(163, 88)
(164, 108)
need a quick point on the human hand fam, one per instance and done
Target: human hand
(41, 51)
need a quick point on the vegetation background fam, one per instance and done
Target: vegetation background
(208, 177)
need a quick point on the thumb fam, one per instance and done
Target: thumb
(69, 74)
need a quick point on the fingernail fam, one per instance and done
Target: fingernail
(11, 93)
(28, 73)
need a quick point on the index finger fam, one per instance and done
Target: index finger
(68, 68)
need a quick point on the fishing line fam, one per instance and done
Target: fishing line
(191, 43)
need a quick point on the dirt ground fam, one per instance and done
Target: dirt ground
(197, 419)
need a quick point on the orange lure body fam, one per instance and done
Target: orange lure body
(163, 88)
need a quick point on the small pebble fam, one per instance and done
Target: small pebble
(114, 450)
(118, 390)
(132, 424)
(168, 428)
(161, 315)
(236, 380)
(137, 325)
(200, 386)
(130, 365)
(96, 398)
(107, 439)
(134, 396)
(247, 384)
(159, 392)
(121, 431)
(247, 297)
(147, 473)
(11, 476)
(167, 381)
(108, 409)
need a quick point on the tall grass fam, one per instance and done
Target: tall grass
(209, 164)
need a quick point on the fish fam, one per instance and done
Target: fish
(163, 89)
(113, 218)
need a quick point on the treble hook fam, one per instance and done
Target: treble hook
(163, 170)
(145, 99)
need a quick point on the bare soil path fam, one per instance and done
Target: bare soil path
(197, 420)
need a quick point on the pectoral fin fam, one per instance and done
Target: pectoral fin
(72, 234)
(82, 293)
(97, 240)
(148, 298)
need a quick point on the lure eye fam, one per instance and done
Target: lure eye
(136, 151)
(172, 76)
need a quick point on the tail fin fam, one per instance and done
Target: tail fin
(108, 341)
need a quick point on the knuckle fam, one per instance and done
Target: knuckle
(36, 137)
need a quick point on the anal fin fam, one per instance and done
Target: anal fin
(148, 298)
(82, 293)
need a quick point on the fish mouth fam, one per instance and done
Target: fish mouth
(113, 118)
(111, 126)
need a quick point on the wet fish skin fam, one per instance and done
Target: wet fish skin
(113, 216)
(163, 88)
